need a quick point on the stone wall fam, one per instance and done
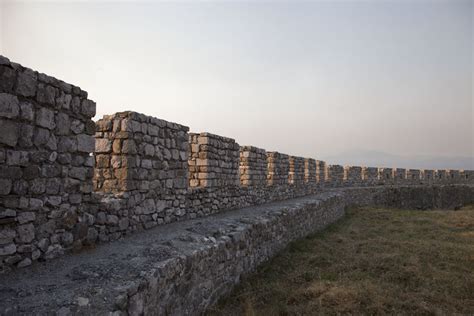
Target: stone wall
(135, 152)
(413, 176)
(353, 176)
(213, 161)
(253, 166)
(296, 174)
(399, 175)
(385, 175)
(335, 175)
(184, 268)
(45, 164)
(278, 168)
(61, 190)
(427, 176)
(370, 175)
(320, 172)
(310, 170)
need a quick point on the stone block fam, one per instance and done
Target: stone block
(45, 118)
(103, 145)
(9, 105)
(26, 83)
(10, 132)
(87, 143)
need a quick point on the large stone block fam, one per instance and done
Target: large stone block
(86, 143)
(26, 83)
(9, 132)
(9, 105)
(45, 118)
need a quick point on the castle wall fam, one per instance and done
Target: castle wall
(61, 189)
(46, 169)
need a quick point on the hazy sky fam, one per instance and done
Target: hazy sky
(305, 78)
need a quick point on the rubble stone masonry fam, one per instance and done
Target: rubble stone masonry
(67, 182)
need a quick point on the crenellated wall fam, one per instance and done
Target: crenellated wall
(61, 189)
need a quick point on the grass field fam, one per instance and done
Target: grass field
(374, 261)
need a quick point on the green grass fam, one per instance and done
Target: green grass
(374, 261)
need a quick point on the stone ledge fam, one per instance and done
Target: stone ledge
(184, 267)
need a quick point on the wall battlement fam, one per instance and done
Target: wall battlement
(67, 182)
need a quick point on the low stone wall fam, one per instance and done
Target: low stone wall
(183, 268)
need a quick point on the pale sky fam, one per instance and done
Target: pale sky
(314, 79)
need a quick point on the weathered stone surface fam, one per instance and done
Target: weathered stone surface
(6, 250)
(88, 108)
(5, 186)
(141, 172)
(26, 233)
(27, 111)
(46, 94)
(9, 105)
(45, 118)
(62, 124)
(103, 146)
(26, 84)
(10, 133)
(85, 143)
(151, 269)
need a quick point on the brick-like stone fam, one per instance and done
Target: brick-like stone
(103, 145)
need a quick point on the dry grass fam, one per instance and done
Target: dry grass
(374, 261)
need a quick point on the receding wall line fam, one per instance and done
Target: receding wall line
(55, 197)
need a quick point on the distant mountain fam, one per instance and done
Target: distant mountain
(382, 159)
